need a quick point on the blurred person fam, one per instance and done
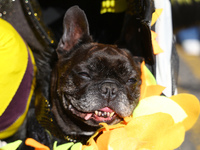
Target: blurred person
(189, 39)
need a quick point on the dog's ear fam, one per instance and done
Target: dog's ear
(76, 30)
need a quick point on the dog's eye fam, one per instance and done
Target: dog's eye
(84, 75)
(132, 80)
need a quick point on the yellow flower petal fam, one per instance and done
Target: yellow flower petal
(155, 104)
(191, 106)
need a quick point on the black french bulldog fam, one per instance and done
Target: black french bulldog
(91, 82)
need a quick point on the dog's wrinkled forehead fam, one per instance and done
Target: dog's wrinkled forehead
(107, 59)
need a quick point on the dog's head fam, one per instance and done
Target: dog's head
(92, 82)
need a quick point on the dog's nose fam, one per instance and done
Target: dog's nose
(109, 90)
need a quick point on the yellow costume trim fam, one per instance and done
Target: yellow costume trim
(14, 57)
(156, 48)
(156, 15)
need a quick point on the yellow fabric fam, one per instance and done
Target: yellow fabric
(14, 127)
(10, 75)
(113, 6)
(13, 63)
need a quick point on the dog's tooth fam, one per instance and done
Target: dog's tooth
(96, 112)
(108, 114)
(111, 114)
(99, 113)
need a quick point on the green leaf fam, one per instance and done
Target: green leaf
(12, 146)
(77, 146)
(63, 146)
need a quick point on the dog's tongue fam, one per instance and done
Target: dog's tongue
(106, 109)
(88, 116)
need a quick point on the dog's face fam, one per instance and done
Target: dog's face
(92, 82)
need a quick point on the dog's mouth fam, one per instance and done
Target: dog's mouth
(105, 114)
(102, 115)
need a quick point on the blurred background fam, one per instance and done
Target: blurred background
(186, 25)
(188, 47)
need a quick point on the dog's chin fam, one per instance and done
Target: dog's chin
(105, 115)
